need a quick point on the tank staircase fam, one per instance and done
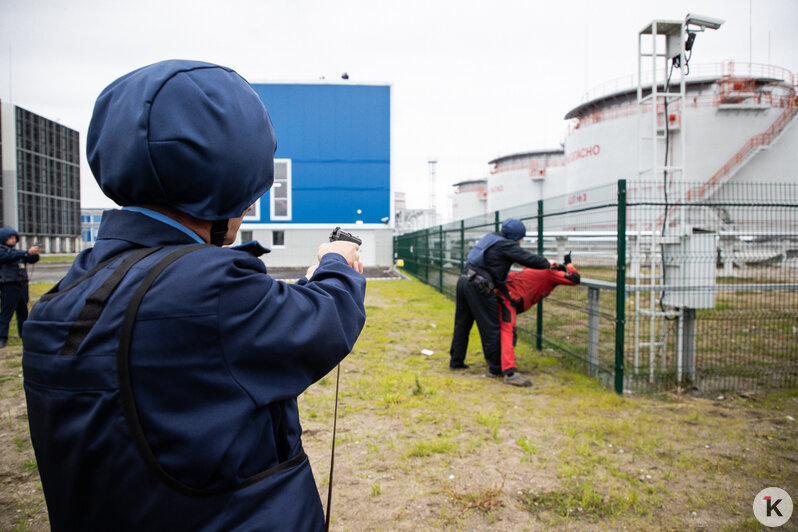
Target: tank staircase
(755, 144)
(746, 153)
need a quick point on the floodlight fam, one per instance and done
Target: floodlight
(703, 21)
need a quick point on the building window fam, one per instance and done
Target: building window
(254, 214)
(278, 239)
(280, 197)
(246, 236)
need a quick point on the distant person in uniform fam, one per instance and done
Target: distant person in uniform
(486, 268)
(13, 281)
(523, 290)
(162, 373)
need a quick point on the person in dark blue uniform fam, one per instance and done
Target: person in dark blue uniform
(162, 373)
(13, 281)
(486, 269)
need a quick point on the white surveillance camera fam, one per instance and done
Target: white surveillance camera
(703, 21)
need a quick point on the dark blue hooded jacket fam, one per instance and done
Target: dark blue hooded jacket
(193, 425)
(11, 259)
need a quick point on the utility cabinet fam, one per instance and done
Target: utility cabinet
(690, 271)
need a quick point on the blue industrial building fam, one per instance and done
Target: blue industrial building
(332, 168)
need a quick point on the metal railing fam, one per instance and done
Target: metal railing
(697, 71)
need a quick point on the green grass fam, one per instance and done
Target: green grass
(527, 446)
(582, 500)
(420, 446)
(742, 343)
(593, 457)
(426, 448)
(57, 258)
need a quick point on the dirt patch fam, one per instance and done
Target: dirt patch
(420, 447)
(563, 454)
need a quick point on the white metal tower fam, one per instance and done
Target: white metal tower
(665, 46)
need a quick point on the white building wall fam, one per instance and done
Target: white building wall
(8, 133)
(301, 244)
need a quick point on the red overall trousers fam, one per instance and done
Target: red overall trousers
(525, 289)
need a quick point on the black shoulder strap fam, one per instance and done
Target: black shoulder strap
(129, 402)
(95, 303)
(56, 289)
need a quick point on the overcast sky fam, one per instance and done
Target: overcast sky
(470, 80)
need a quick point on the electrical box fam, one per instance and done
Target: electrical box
(690, 271)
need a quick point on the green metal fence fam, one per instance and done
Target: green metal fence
(677, 292)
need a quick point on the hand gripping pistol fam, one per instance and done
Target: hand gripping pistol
(340, 234)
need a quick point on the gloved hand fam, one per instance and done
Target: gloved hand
(567, 259)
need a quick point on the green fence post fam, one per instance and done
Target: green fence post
(418, 255)
(620, 288)
(440, 256)
(462, 245)
(497, 223)
(426, 256)
(539, 333)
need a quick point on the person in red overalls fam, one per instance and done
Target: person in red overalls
(525, 289)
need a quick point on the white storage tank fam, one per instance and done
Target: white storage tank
(739, 126)
(735, 115)
(525, 178)
(469, 198)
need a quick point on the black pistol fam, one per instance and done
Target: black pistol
(340, 234)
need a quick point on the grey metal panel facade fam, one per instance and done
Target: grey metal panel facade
(41, 180)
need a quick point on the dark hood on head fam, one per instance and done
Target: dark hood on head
(185, 134)
(514, 229)
(6, 233)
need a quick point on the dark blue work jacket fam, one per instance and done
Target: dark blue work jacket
(12, 264)
(198, 428)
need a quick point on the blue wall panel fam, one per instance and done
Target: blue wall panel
(338, 140)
